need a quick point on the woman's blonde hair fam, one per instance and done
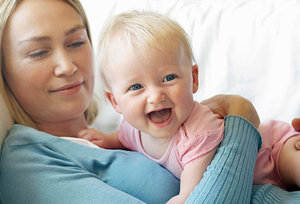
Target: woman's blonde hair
(7, 7)
(142, 30)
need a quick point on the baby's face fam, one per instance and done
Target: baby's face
(153, 91)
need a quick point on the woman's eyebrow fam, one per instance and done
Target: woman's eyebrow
(47, 38)
(74, 29)
(35, 38)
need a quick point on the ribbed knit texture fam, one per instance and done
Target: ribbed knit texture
(226, 180)
(263, 194)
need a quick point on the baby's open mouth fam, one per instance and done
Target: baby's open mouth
(160, 116)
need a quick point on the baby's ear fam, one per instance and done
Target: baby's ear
(297, 144)
(112, 100)
(195, 78)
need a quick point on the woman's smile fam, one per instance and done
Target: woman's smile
(68, 89)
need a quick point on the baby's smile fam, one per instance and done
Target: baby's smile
(160, 116)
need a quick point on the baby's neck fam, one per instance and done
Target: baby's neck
(155, 147)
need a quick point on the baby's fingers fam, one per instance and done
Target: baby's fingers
(296, 124)
(82, 133)
(87, 134)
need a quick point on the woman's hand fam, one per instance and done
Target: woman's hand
(234, 105)
(296, 124)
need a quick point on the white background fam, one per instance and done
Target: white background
(246, 47)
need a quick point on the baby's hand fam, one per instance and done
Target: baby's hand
(101, 139)
(95, 136)
(296, 124)
(179, 199)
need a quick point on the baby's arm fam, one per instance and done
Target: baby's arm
(101, 139)
(191, 176)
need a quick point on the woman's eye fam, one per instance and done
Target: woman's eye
(76, 44)
(170, 77)
(38, 54)
(135, 87)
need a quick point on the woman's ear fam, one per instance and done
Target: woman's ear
(195, 78)
(110, 97)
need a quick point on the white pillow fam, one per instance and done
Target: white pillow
(5, 121)
(245, 47)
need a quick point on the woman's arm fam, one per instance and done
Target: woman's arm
(40, 168)
(229, 177)
(269, 193)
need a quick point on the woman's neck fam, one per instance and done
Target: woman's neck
(68, 128)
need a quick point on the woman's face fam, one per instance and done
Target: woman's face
(48, 60)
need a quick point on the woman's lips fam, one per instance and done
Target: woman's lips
(68, 89)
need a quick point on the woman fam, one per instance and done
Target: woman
(47, 81)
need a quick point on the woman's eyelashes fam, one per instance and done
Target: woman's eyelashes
(39, 54)
(76, 44)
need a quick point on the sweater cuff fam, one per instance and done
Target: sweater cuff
(234, 122)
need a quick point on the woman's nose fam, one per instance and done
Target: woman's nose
(64, 64)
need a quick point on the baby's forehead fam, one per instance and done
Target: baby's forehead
(149, 55)
(147, 46)
(165, 41)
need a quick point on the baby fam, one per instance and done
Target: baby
(278, 160)
(149, 75)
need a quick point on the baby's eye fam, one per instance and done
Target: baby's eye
(170, 77)
(135, 87)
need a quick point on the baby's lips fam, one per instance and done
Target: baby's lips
(160, 116)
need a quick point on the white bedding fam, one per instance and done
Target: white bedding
(246, 47)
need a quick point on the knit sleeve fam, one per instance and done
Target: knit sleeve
(269, 193)
(229, 177)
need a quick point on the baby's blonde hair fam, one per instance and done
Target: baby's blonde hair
(142, 30)
(7, 8)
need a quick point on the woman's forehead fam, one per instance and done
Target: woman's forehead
(40, 7)
(33, 17)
